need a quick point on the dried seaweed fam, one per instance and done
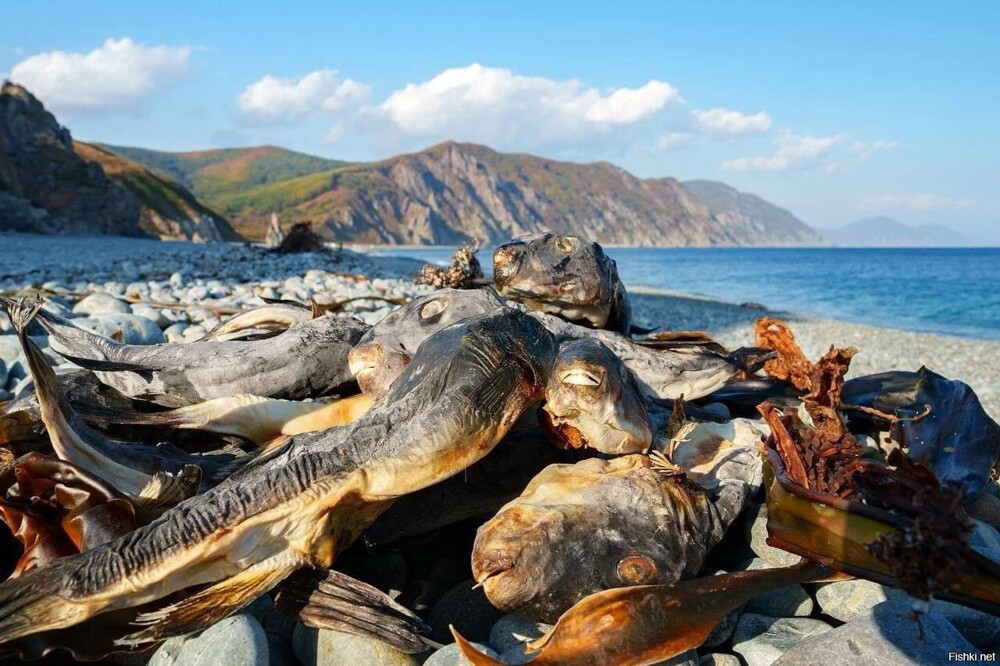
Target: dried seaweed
(465, 272)
(791, 365)
(927, 556)
(815, 446)
(55, 509)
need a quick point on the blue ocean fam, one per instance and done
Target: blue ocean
(954, 291)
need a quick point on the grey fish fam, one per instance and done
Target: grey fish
(153, 477)
(308, 360)
(690, 371)
(598, 524)
(303, 503)
(383, 352)
(566, 276)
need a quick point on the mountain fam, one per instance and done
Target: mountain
(51, 184)
(167, 209)
(883, 231)
(45, 187)
(215, 176)
(751, 215)
(454, 192)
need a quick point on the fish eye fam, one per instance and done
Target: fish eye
(432, 309)
(580, 377)
(564, 244)
(636, 570)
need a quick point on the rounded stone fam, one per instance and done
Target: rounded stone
(889, 635)
(467, 608)
(321, 647)
(234, 641)
(100, 303)
(450, 655)
(789, 601)
(719, 659)
(848, 600)
(755, 531)
(513, 630)
(128, 329)
(762, 640)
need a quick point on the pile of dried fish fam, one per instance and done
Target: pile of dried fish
(162, 488)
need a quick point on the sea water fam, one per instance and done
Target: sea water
(942, 290)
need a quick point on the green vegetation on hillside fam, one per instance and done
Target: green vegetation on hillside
(218, 173)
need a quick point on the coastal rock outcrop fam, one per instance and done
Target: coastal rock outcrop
(51, 184)
(45, 187)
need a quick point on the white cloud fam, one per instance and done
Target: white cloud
(670, 140)
(727, 123)
(914, 202)
(273, 101)
(791, 150)
(505, 109)
(119, 76)
(863, 150)
(335, 133)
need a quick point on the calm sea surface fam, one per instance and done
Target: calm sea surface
(953, 291)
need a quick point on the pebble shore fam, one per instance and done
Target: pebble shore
(180, 297)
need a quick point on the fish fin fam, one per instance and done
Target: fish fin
(166, 489)
(212, 604)
(77, 341)
(33, 602)
(751, 359)
(471, 653)
(104, 365)
(327, 599)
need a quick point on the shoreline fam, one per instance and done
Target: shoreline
(973, 361)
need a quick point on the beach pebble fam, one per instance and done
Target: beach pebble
(847, 600)
(755, 531)
(450, 655)
(889, 635)
(467, 609)
(154, 315)
(979, 628)
(322, 647)
(234, 641)
(761, 640)
(719, 659)
(789, 601)
(175, 332)
(688, 658)
(135, 330)
(98, 304)
(278, 627)
(513, 630)
(194, 333)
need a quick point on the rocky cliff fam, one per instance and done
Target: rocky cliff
(50, 184)
(751, 218)
(454, 192)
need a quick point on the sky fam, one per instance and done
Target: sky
(836, 111)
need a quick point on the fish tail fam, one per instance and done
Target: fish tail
(751, 359)
(34, 602)
(77, 341)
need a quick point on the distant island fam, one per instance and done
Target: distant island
(444, 195)
(884, 231)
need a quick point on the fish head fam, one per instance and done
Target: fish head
(384, 352)
(592, 399)
(563, 275)
(564, 538)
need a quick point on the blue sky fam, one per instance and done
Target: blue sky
(836, 111)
